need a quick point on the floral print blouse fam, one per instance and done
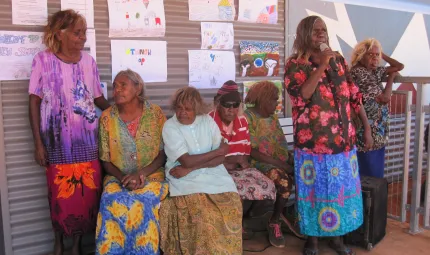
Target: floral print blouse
(323, 124)
(370, 84)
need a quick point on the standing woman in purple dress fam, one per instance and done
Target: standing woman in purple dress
(64, 92)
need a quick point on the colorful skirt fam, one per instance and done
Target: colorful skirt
(201, 224)
(251, 184)
(74, 194)
(328, 193)
(127, 223)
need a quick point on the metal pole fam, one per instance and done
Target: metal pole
(418, 159)
(406, 156)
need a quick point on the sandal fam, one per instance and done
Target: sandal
(341, 250)
(310, 251)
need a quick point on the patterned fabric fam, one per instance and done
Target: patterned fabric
(128, 220)
(127, 223)
(328, 193)
(251, 184)
(69, 125)
(201, 224)
(200, 137)
(323, 124)
(73, 193)
(124, 151)
(238, 139)
(282, 181)
(268, 138)
(370, 84)
(132, 126)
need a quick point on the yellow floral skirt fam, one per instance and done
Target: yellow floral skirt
(127, 222)
(201, 224)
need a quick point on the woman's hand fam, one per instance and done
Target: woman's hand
(179, 171)
(223, 148)
(40, 155)
(286, 167)
(383, 99)
(368, 140)
(326, 56)
(133, 181)
(244, 164)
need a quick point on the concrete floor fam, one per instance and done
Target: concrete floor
(396, 242)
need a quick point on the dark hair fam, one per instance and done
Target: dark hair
(261, 92)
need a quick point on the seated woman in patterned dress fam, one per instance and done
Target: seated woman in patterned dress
(368, 75)
(131, 150)
(251, 183)
(269, 151)
(203, 213)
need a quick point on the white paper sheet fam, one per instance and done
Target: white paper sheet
(30, 12)
(258, 11)
(209, 69)
(17, 50)
(84, 7)
(90, 44)
(211, 10)
(217, 35)
(143, 18)
(147, 58)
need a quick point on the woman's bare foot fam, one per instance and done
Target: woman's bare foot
(76, 249)
(58, 245)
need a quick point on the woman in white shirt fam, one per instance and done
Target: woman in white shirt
(203, 214)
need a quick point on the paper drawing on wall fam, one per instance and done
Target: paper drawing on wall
(210, 69)
(17, 50)
(211, 10)
(136, 18)
(147, 58)
(217, 35)
(259, 58)
(248, 84)
(258, 11)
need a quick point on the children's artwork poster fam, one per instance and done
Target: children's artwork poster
(211, 10)
(132, 18)
(248, 84)
(17, 50)
(147, 58)
(90, 44)
(259, 58)
(258, 11)
(217, 35)
(83, 7)
(30, 12)
(209, 69)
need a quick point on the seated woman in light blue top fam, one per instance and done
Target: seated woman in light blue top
(203, 214)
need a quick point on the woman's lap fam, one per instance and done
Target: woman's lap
(201, 224)
(253, 185)
(328, 193)
(128, 220)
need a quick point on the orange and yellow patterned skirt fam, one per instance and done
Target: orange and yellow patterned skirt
(201, 224)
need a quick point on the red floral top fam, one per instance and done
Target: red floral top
(322, 124)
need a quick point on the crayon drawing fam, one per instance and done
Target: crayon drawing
(248, 84)
(217, 35)
(136, 18)
(259, 58)
(211, 10)
(209, 69)
(258, 11)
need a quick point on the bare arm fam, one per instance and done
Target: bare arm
(309, 86)
(395, 66)
(261, 157)
(197, 161)
(111, 169)
(101, 103)
(181, 171)
(156, 164)
(40, 154)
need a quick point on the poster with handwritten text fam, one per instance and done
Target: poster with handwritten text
(29, 12)
(147, 58)
(17, 50)
(83, 7)
(144, 18)
(209, 69)
(258, 11)
(216, 35)
(211, 10)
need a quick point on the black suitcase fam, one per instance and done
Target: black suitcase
(375, 195)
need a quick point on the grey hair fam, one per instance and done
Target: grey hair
(136, 80)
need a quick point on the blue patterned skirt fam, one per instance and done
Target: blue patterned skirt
(328, 193)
